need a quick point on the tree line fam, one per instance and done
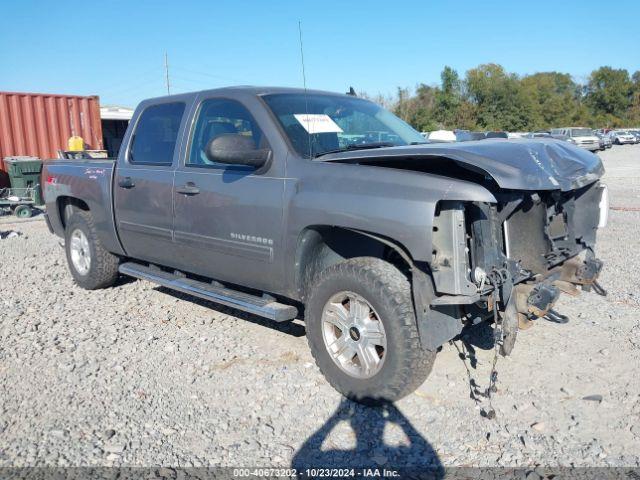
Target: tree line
(490, 98)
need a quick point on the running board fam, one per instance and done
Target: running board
(264, 307)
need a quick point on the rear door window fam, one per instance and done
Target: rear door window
(156, 134)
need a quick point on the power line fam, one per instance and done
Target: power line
(210, 75)
(149, 85)
(121, 83)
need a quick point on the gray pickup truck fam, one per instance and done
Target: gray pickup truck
(288, 204)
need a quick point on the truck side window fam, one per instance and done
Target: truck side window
(217, 117)
(156, 133)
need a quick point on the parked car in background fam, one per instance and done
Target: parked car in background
(635, 133)
(558, 135)
(441, 136)
(579, 136)
(467, 136)
(517, 134)
(539, 134)
(621, 137)
(605, 141)
(496, 135)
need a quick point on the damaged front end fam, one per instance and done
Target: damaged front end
(513, 258)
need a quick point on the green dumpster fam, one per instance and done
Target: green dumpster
(24, 173)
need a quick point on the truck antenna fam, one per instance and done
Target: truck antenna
(304, 77)
(304, 84)
(166, 72)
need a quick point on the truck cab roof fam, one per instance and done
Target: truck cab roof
(242, 90)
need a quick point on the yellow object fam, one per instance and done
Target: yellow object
(75, 144)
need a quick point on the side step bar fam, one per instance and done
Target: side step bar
(264, 307)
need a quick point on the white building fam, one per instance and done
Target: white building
(114, 121)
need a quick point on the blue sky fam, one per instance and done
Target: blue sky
(115, 49)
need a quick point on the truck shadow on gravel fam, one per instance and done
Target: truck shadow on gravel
(479, 336)
(409, 453)
(291, 328)
(124, 280)
(482, 335)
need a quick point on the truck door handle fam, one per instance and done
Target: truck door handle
(188, 189)
(126, 182)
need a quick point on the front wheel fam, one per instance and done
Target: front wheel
(362, 331)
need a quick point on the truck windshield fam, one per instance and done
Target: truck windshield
(317, 124)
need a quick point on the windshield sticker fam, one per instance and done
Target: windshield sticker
(317, 123)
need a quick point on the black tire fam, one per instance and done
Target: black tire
(23, 211)
(509, 328)
(103, 266)
(406, 363)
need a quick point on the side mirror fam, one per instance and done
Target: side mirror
(236, 149)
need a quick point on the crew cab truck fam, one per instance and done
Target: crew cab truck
(292, 203)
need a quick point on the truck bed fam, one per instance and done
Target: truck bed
(87, 179)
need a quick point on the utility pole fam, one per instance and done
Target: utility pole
(166, 70)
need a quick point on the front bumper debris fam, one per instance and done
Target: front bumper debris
(541, 299)
(581, 272)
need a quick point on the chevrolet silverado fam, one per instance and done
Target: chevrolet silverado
(300, 204)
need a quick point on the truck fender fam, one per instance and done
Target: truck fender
(436, 324)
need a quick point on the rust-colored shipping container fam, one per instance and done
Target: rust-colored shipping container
(39, 125)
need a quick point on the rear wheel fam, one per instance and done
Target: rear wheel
(362, 331)
(90, 264)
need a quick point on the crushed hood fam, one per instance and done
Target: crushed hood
(517, 164)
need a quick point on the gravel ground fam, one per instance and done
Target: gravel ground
(138, 375)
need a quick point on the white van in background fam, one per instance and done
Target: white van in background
(579, 136)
